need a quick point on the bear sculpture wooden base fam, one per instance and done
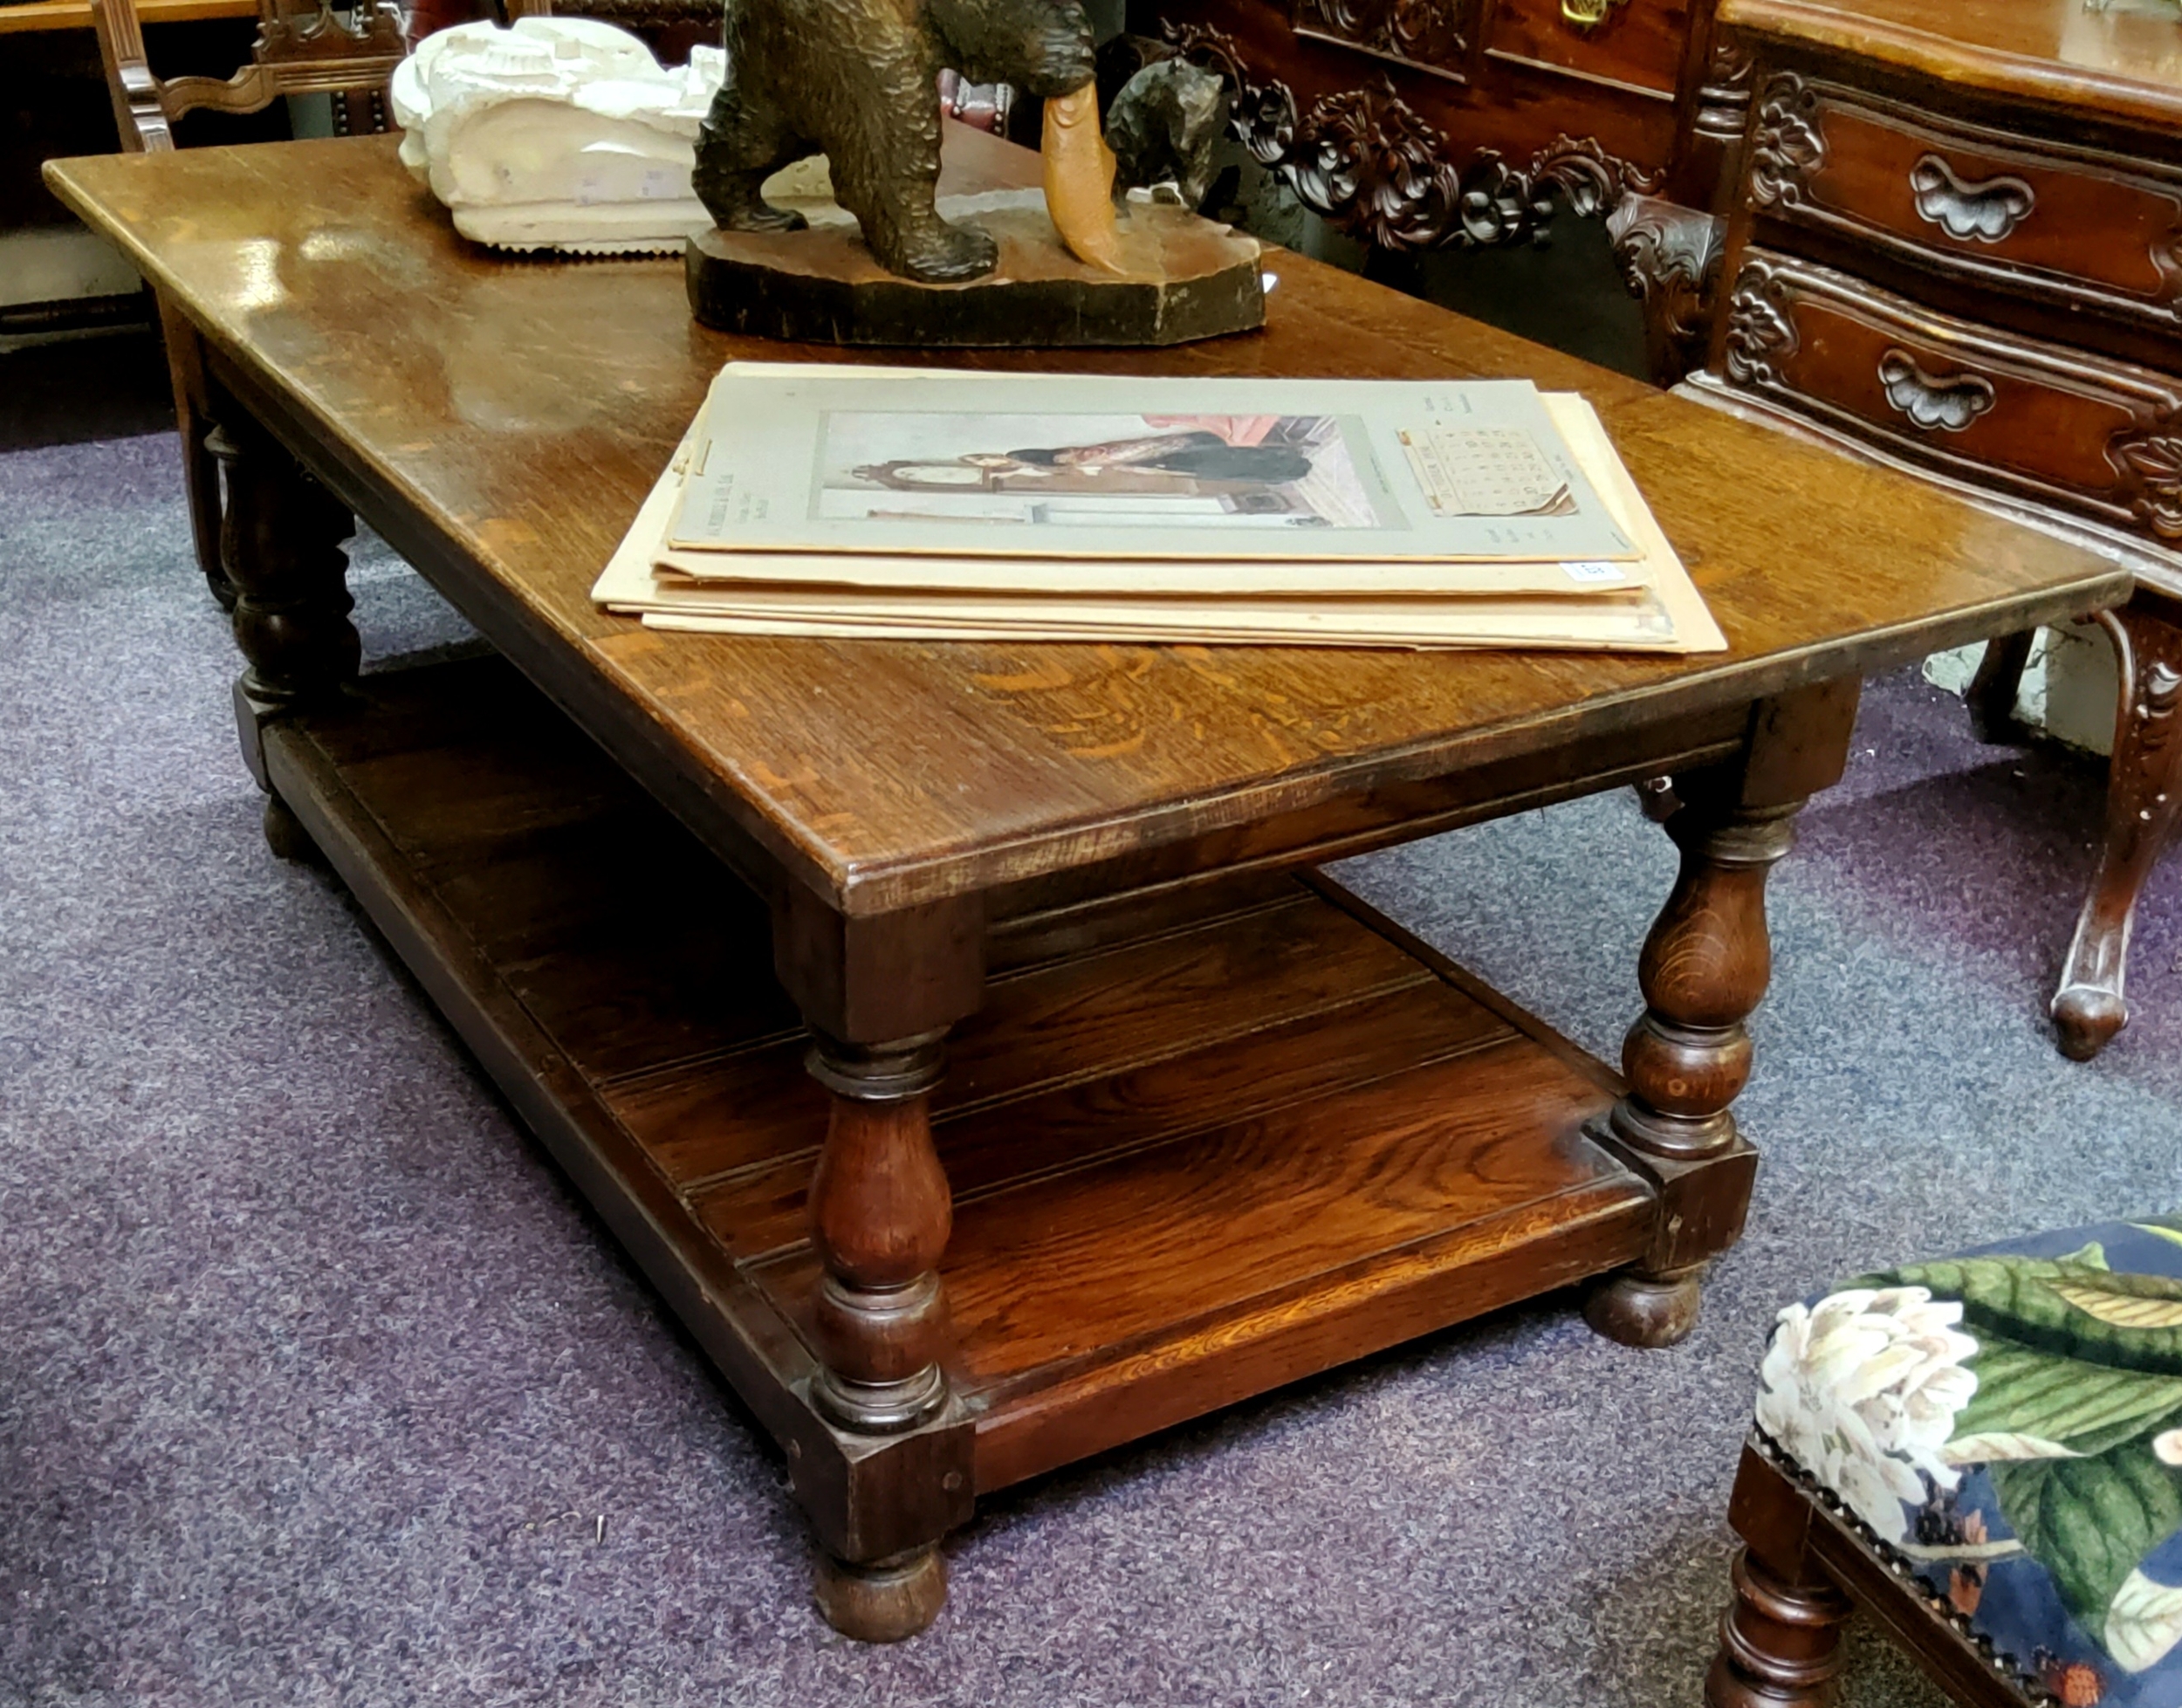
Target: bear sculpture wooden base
(1182, 277)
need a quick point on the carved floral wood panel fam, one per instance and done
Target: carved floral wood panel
(2039, 216)
(1786, 147)
(1431, 34)
(1366, 161)
(2151, 468)
(1937, 397)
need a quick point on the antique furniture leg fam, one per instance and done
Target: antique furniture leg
(2144, 790)
(1779, 1640)
(200, 467)
(1705, 967)
(281, 543)
(1669, 258)
(880, 1216)
(1992, 693)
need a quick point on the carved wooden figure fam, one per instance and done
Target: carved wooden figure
(857, 82)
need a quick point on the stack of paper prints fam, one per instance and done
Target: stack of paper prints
(915, 504)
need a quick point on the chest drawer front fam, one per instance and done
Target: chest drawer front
(2053, 220)
(2103, 439)
(1632, 43)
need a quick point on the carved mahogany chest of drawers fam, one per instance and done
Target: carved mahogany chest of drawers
(1953, 243)
(1422, 124)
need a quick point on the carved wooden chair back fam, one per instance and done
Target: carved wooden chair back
(670, 28)
(309, 52)
(302, 53)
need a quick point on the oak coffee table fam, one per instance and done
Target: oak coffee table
(960, 1037)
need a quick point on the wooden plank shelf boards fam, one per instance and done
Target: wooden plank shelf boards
(1198, 1148)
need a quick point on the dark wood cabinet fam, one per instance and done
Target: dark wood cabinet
(1427, 124)
(1952, 241)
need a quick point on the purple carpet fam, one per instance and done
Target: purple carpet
(320, 1387)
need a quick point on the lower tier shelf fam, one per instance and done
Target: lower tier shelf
(1200, 1146)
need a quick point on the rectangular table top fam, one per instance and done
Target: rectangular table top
(499, 420)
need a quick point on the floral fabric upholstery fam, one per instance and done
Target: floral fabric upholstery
(2010, 1422)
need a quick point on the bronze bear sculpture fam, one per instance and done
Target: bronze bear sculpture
(856, 81)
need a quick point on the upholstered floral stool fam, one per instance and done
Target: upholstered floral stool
(1983, 1454)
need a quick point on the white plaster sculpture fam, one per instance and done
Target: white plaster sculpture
(558, 133)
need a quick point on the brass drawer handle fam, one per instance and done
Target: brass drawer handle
(1969, 211)
(1946, 406)
(1587, 14)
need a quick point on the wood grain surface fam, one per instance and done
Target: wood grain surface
(500, 419)
(1191, 1157)
(2123, 62)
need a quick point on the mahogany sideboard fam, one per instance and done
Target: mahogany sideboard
(1954, 245)
(1427, 124)
(961, 1036)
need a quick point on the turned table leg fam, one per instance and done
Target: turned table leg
(2144, 790)
(280, 542)
(881, 1455)
(1779, 1640)
(880, 1213)
(1705, 967)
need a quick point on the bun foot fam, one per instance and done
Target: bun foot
(286, 835)
(2087, 1018)
(1646, 1310)
(883, 1603)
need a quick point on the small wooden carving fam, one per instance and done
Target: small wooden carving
(1671, 257)
(1165, 124)
(857, 83)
